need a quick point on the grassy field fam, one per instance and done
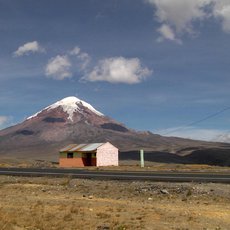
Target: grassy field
(65, 203)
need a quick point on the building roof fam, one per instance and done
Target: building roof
(81, 147)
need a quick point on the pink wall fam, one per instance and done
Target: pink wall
(107, 155)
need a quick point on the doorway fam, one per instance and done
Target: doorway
(88, 159)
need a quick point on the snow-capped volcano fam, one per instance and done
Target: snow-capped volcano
(67, 120)
(72, 120)
(70, 105)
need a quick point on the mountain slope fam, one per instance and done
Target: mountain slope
(72, 120)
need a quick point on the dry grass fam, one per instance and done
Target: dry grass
(167, 167)
(150, 166)
(64, 203)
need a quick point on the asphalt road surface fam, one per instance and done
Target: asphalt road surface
(119, 175)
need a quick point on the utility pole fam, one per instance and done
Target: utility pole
(142, 158)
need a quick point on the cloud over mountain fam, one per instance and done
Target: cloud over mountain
(58, 68)
(119, 70)
(83, 57)
(4, 121)
(112, 69)
(194, 133)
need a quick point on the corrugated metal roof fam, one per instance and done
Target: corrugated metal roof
(77, 147)
(68, 147)
(91, 147)
(81, 147)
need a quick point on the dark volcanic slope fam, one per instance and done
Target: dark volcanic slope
(74, 121)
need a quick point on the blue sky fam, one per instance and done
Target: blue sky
(154, 65)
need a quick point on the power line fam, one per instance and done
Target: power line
(198, 121)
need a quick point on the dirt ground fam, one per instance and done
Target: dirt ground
(66, 203)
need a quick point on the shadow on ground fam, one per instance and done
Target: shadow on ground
(218, 157)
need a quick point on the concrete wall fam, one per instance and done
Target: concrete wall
(71, 162)
(107, 155)
(78, 160)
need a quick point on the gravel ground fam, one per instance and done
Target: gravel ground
(65, 203)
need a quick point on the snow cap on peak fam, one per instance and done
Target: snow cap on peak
(68, 101)
(70, 105)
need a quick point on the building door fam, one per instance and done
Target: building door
(88, 159)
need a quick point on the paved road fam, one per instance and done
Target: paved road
(120, 175)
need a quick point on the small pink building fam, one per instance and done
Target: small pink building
(93, 154)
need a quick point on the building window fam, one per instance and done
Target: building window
(69, 155)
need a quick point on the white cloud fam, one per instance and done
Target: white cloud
(222, 10)
(224, 137)
(119, 70)
(167, 33)
(113, 70)
(4, 121)
(178, 16)
(193, 133)
(61, 66)
(83, 57)
(58, 68)
(75, 51)
(28, 48)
